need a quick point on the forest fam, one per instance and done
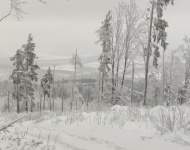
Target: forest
(138, 97)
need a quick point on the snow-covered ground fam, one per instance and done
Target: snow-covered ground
(121, 128)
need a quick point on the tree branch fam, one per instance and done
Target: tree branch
(3, 17)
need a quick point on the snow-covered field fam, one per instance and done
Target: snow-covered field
(121, 128)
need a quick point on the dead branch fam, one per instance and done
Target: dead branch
(11, 123)
(3, 17)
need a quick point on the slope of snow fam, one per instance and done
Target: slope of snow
(117, 129)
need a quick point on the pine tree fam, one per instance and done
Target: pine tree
(25, 73)
(105, 35)
(30, 71)
(157, 35)
(17, 76)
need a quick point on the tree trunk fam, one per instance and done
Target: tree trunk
(99, 90)
(31, 105)
(163, 78)
(125, 65)
(72, 99)
(8, 101)
(102, 84)
(26, 105)
(87, 105)
(53, 93)
(18, 103)
(117, 73)
(170, 82)
(62, 104)
(148, 56)
(76, 104)
(113, 76)
(50, 106)
(132, 82)
(26, 109)
(40, 104)
(44, 102)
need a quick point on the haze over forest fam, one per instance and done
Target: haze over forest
(94, 75)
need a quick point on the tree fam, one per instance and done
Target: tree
(30, 70)
(183, 91)
(43, 84)
(117, 48)
(157, 35)
(17, 76)
(186, 54)
(88, 93)
(105, 35)
(63, 93)
(134, 25)
(46, 83)
(74, 95)
(75, 61)
(25, 73)
(153, 89)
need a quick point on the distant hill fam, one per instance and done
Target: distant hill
(63, 69)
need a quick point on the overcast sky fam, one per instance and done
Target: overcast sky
(61, 26)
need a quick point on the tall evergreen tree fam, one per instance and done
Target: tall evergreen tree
(17, 76)
(105, 38)
(30, 70)
(25, 73)
(157, 35)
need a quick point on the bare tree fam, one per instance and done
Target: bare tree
(186, 54)
(117, 46)
(75, 61)
(133, 27)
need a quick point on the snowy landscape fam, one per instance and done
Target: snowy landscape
(94, 75)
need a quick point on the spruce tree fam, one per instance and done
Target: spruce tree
(17, 76)
(30, 70)
(24, 73)
(105, 33)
